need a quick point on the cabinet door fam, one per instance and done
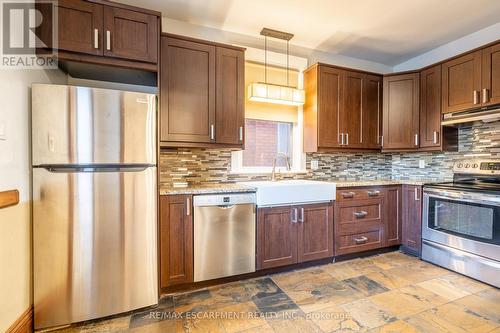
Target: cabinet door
(329, 100)
(276, 237)
(412, 220)
(230, 114)
(401, 111)
(461, 83)
(176, 240)
(315, 232)
(130, 35)
(393, 215)
(490, 93)
(351, 112)
(372, 111)
(187, 91)
(430, 107)
(80, 27)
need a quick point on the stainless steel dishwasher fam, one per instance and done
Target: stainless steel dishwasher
(224, 235)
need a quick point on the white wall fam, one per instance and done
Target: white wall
(15, 222)
(213, 34)
(461, 45)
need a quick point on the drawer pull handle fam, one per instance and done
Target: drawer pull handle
(361, 240)
(348, 194)
(360, 214)
(373, 193)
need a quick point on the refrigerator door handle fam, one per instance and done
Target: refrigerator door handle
(79, 169)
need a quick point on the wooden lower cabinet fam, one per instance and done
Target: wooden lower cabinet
(368, 218)
(293, 234)
(176, 240)
(276, 237)
(393, 215)
(412, 219)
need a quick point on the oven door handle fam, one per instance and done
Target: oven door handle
(461, 197)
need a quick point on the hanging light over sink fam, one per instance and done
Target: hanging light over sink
(274, 93)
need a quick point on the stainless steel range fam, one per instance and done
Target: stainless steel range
(461, 221)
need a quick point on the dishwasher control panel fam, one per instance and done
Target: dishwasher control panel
(224, 199)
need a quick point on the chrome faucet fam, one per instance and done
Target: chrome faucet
(287, 161)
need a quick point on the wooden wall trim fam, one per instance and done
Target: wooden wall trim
(9, 198)
(23, 324)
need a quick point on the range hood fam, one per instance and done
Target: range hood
(485, 115)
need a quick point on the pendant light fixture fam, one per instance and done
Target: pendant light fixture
(274, 93)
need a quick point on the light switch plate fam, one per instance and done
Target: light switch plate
(3, 131)
(421, 164)
(314, 165)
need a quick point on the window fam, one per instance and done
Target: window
(270, 128)
(264, 139)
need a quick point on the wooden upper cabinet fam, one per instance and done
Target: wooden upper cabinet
(187, 91)
(230, 83)
(276, 237)
(120, 35)
(372, 111)
(202, 93)
(490, 93)
(430, 107)
(176, 240)
(342, 109)
(80, 26)
(315, 232)
(461, 83)
(352, 110)
(130, 34)
(401, 112)
(329, 97)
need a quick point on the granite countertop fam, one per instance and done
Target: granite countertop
(206, 189)
(235, 188)
(359, 183)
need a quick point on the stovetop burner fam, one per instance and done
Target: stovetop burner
(476, 175)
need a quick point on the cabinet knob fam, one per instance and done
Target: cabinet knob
(188, 206)
(485, 95)
(293, 215)
(241, 133)
(361, 240)
(108, 40)
(436, 136)
(476, 96)
(360, 214)
(373, 193)
(96, 39)
(348, 194)
(212, 132)
(416, 195)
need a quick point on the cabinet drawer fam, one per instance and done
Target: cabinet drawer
(362, 211)
(352, 194)
(359, 242)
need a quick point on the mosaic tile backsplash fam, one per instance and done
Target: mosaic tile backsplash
(198, 166)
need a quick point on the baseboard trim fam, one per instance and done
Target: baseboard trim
(23, 324)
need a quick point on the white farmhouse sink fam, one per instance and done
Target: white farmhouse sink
(286, 192)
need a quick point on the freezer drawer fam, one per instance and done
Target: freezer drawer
(224, 235)
(94, 239)
(81, 125)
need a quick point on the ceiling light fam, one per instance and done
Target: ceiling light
(273, 93)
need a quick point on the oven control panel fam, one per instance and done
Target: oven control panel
(477, 166)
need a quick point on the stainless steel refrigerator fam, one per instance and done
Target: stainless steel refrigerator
(94, 203)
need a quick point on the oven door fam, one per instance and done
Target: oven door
(467, 221)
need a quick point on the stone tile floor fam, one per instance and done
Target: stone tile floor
(391, 292)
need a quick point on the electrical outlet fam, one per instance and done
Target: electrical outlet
(421, 164)
(314, 165)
